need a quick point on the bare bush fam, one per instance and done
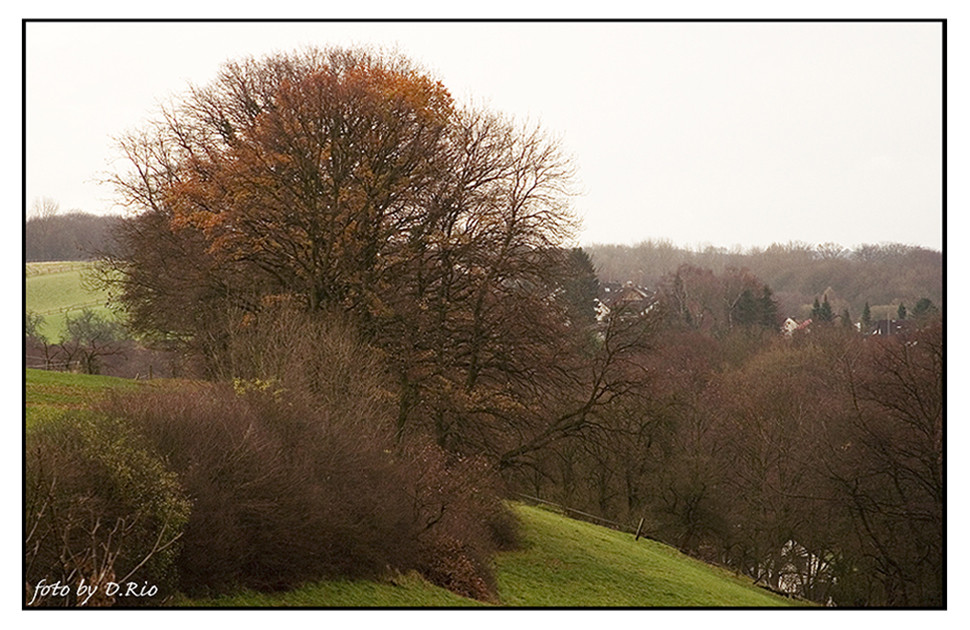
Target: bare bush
(296, 475)
(463, 521)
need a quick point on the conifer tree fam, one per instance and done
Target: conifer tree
(866, 320)
(846, 319)
(924, 307)
(825, 313)
(822, 312)
(747, 310)
(769, 309)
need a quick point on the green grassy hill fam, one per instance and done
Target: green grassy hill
(561, 563)
(55, 289)
(569, 563)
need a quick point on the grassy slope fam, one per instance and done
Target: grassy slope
(55, 289)
(409, 591)
(42, 268)
(572, 563)
(47, 393)
(562, 562)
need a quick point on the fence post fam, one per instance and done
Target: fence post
(639, 529)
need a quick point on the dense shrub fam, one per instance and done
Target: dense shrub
(455, 518)
(295, 474)
(100, 508)
(278, 497)
(317, 357)
(284, 493)
(463, 520)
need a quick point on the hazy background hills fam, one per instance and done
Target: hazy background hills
(884, 275)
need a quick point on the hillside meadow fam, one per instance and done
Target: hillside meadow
(48, 393)
(57, 289)
(563, 563)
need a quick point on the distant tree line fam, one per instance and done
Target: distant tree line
(882, 275)
(50, 235)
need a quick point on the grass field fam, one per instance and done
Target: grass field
(562, 562)
(47, 393)
(55, 289)
(44, 268)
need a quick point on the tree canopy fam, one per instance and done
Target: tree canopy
(334, 174)
(349, 180)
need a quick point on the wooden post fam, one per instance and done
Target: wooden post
(639, 529)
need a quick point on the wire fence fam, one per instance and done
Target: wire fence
(47, 268)
(43, 363)
(72, 307)
(637, 531)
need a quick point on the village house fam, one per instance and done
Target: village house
(627, 299)
(792, 325)
(890, 327)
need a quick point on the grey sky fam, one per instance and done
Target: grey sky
(720, 133)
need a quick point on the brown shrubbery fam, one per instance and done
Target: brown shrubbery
(297, 475)
(463, 521)
(278, 496)
(281, 495)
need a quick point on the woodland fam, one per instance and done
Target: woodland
(378, 292)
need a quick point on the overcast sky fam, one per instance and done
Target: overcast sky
(700, 133)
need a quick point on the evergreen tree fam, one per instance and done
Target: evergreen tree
(825, 313)
(822, 312)
(846, 319)
(580, 286)
(866, 319)
(901, 311)
(769, 309)
(924, 307)
(747, 310)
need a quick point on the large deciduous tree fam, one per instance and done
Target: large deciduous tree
(329, 174)
(350, 180)
(307, 172)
